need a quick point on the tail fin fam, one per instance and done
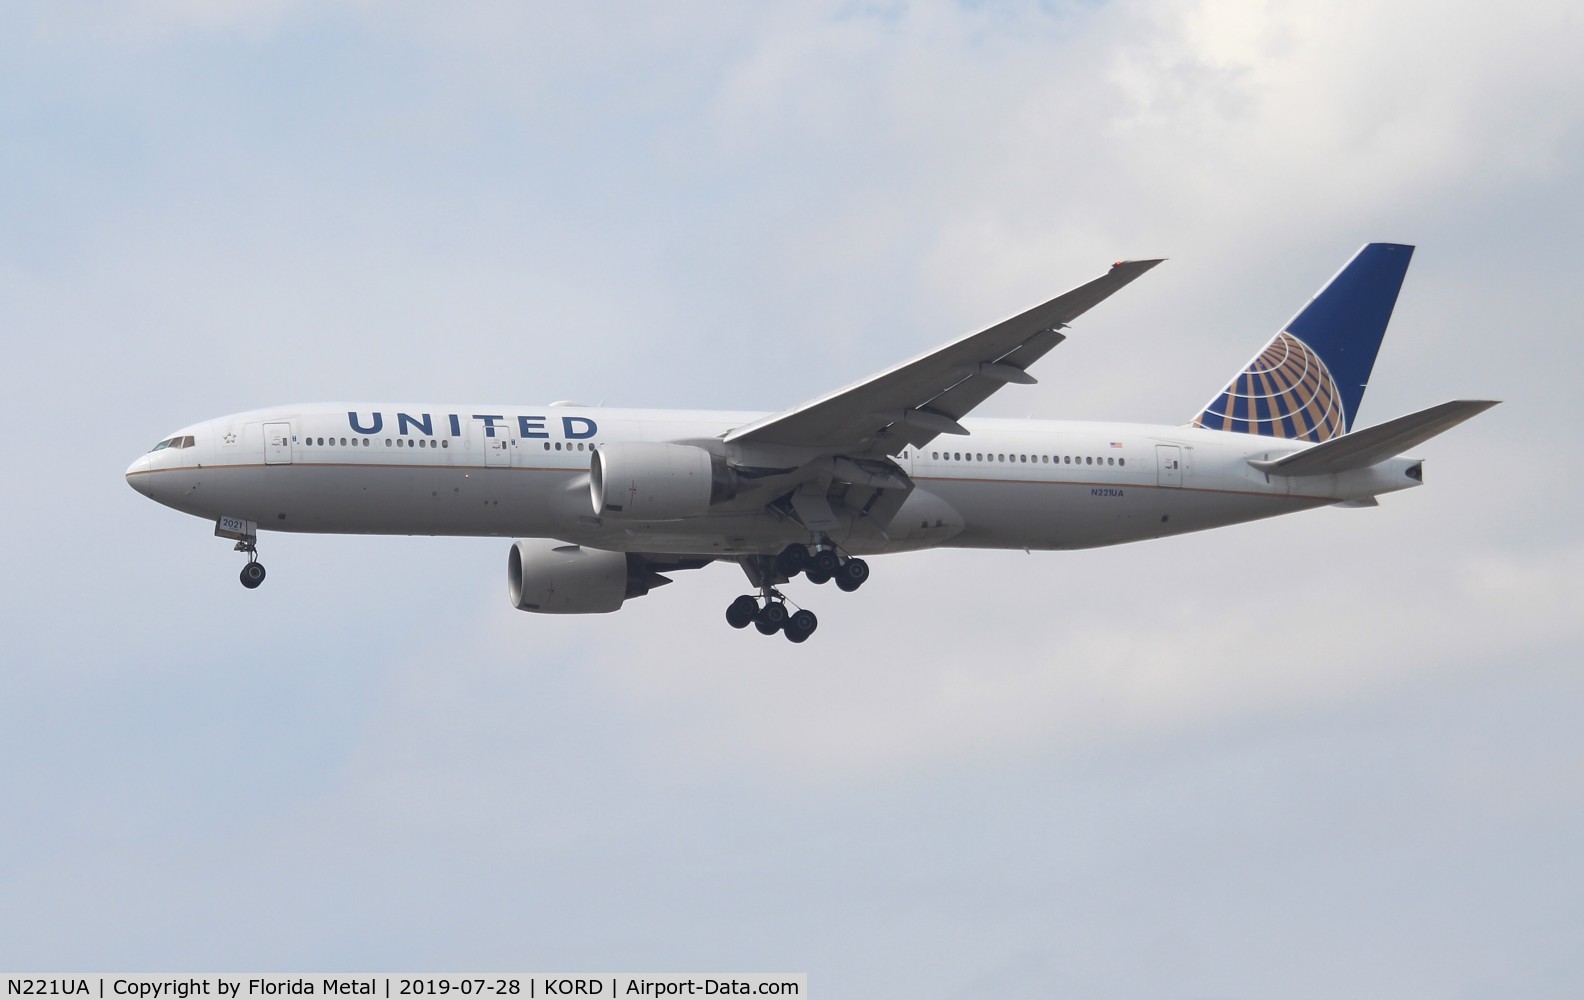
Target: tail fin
(1308, 381)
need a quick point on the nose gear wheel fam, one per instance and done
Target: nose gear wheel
(253, 573)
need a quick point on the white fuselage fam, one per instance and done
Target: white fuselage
(523, 472)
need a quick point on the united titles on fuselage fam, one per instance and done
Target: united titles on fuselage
(410, 424)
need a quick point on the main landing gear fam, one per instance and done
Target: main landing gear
(768, 612)
(772, 616)
(824, 566)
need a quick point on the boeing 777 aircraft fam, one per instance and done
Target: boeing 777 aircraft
(606, 501)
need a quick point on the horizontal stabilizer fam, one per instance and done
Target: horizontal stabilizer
(1362, 449)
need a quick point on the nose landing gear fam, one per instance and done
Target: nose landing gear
(246, 535)
(253, 572)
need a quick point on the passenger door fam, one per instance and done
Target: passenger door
(277, 444)
(496, 447)
(1168, 465)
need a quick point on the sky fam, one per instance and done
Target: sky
(1144, 771)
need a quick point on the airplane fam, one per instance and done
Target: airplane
(603, 502)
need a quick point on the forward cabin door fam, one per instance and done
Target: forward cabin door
(277, 444)
(1168, 465)
(494, 442)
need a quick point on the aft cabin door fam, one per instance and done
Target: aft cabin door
(1168, 465)
(277, 444)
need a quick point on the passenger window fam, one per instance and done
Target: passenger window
(445, 444)
(387, 442)
(1121, 461)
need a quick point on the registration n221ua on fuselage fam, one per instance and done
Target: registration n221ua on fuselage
(603, 503)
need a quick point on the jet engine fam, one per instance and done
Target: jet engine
(652, 481)
(557, 578)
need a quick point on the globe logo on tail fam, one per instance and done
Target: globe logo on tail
(1285, 392)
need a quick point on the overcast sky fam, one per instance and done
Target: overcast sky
(1161, 770)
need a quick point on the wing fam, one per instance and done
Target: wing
(913, 402)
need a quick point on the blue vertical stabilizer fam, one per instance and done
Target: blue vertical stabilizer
(1308, 381)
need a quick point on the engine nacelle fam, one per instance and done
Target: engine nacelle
(652, 481)
(555, 578)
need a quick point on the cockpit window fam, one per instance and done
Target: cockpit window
(163, 445)
(180, 441)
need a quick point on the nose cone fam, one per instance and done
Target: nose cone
(137, 475)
